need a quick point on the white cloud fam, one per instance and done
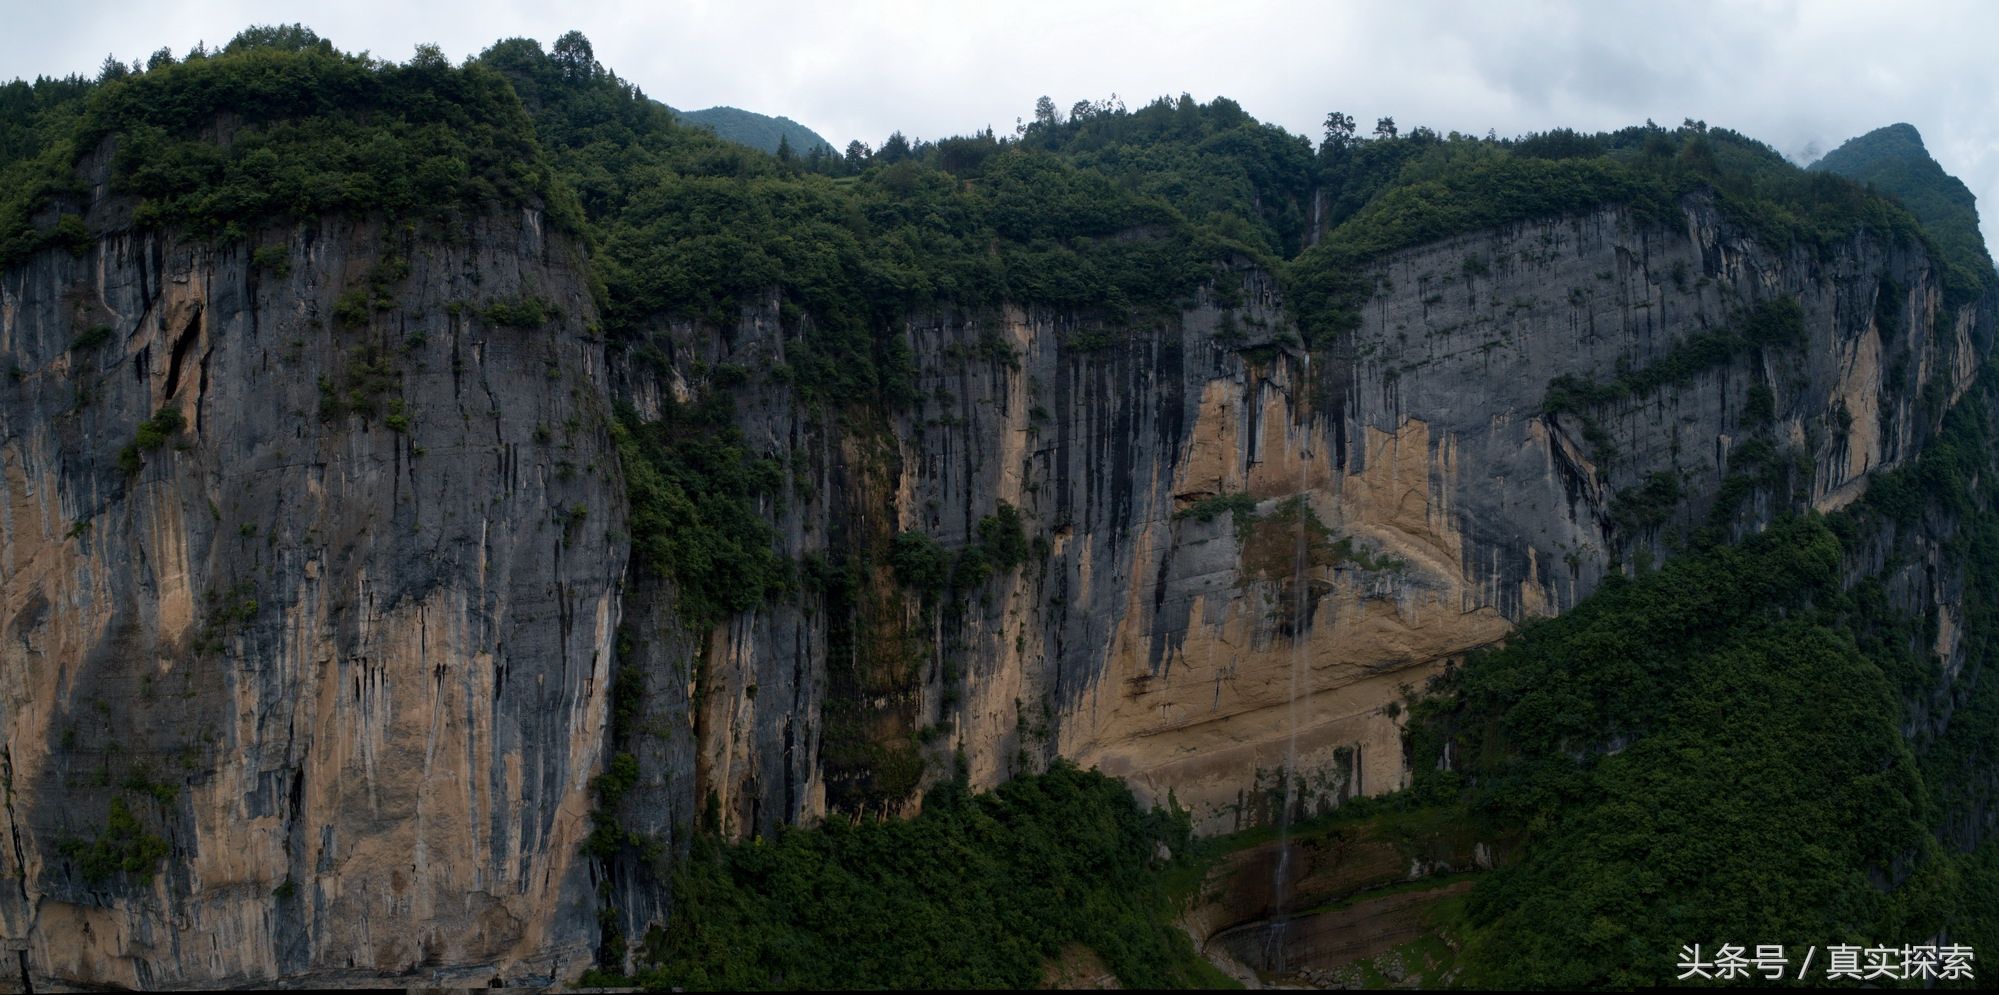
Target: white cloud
(1792, 74)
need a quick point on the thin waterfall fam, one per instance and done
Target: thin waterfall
(1300, 685)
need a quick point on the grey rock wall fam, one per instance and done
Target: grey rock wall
(347, 668)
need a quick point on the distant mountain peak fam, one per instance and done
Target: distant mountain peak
(760, 131)
(1899, 139)
(1892, 159)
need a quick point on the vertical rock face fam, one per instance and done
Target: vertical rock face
(1172, 650)
(305, 680)
(1422, 476)
(309, 678)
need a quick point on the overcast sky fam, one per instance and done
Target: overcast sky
(1800, 75)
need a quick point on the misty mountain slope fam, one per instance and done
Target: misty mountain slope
(759, 131)
(1893, 160)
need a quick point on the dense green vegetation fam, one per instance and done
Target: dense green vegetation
(1953, 481)
(1116, 213)
(694, 517)
(999, 545)
(1716, 750)
(979, 891)
(122, 847)
(1238, 505)
(1112, 213)
(1656, 739)
(277, 127)
(33, 115)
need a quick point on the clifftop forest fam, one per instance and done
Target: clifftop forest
(1105, 208)
(1749, 741)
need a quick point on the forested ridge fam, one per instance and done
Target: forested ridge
(1712, 751)
(1117, 211)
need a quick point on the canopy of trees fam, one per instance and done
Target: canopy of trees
(1115, 212)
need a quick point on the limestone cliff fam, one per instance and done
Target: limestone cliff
(308, 576)
(1427, 473)
(309, 679)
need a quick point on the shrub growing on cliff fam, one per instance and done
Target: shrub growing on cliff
(152, 434)
(273, 259)
(1647, 505)
(525, 311)
(693, 489)
(999, 545)
(155, 431)
(123, 846)
(610, 788)
(919, 562)
(91, 338)
(1238, 505)
(1003, 538)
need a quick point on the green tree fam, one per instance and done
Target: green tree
(1339, 131)
(292, 37)
(1044, 112)
(429, 56)
(857, 156)
(574, 56)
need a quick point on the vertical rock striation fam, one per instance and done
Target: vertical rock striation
(308, 682)
(1450, 494)
(308, 677)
